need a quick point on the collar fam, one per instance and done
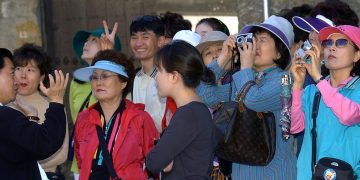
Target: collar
(1, 104)
(348, 83)
(152, 74)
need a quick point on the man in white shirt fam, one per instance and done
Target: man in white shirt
(147, 37)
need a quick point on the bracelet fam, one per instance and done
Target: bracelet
(321, 78)
(33, 118)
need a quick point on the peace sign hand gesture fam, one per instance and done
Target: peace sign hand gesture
(107, 40)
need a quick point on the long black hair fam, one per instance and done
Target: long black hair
(184, 58)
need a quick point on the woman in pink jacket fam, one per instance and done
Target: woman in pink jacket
(128, 132)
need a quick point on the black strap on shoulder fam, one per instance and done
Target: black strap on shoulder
(105, 153)
(314, 114)
(85, 103)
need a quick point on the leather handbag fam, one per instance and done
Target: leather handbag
(247, 136)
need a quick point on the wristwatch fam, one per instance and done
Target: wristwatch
(321, 78)
(33, 118)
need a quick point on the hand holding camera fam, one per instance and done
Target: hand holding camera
(247, 48)
(301, 52)
(227, 52)
(314, 68)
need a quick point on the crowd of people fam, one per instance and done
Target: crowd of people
(156, 121)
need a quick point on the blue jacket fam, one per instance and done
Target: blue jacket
(265, 96)
(333, 139)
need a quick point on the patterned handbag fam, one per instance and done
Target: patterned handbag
(247, 137)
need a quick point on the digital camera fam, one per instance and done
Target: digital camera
(301, 51)
(243, 38)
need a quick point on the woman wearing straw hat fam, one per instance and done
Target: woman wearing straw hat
(128, 131)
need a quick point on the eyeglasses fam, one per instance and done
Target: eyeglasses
(339, 43)
(101, 77)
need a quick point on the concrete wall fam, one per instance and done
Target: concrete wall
(19, 23)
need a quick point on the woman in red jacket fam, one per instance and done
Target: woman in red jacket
(127, 130)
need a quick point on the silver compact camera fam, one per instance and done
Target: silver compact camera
(243, 38)
(301, 51)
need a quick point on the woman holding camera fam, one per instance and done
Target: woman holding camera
(262, 61)
(339, 109)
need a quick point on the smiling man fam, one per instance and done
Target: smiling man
(147, 37)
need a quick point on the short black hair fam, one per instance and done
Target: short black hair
(31, 52)
(147, 23)
(174, 23)
(301, 11)
(4, 53)
(215, 24)
(121, 59)
(281, 48)
(337, 11)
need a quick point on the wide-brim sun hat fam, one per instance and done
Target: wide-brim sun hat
(278, 26)
(81, 37)
(187, 36)
(83, 74)
(352, 32)
(210, 38)
(308, 24)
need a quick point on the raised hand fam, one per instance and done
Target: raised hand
(57, 88)
(314, 68)
(247, 54)
(107, 40)
(226, 52)
(298, 72)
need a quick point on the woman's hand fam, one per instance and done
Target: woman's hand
(298, 72)
(169, 167)
(107, 40)
(247, 54)
(26, 108)
(314, 68)
(226, 54)
(57, 88)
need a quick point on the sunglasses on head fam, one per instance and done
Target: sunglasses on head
(339, 43)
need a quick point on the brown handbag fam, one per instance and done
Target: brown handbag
(247, 136)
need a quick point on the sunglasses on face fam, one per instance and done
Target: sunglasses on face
(339, 43)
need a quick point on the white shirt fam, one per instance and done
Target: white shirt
(145, 92)
(0, 104)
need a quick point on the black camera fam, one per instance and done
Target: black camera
(243, 38)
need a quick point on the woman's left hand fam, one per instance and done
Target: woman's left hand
(107, 40)
(314, 68)
(169, 167)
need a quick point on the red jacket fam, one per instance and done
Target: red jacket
(135, 140)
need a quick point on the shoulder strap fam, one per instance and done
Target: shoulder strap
(314, 114)
(86, 102)
(244, 90)
(107, 158)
